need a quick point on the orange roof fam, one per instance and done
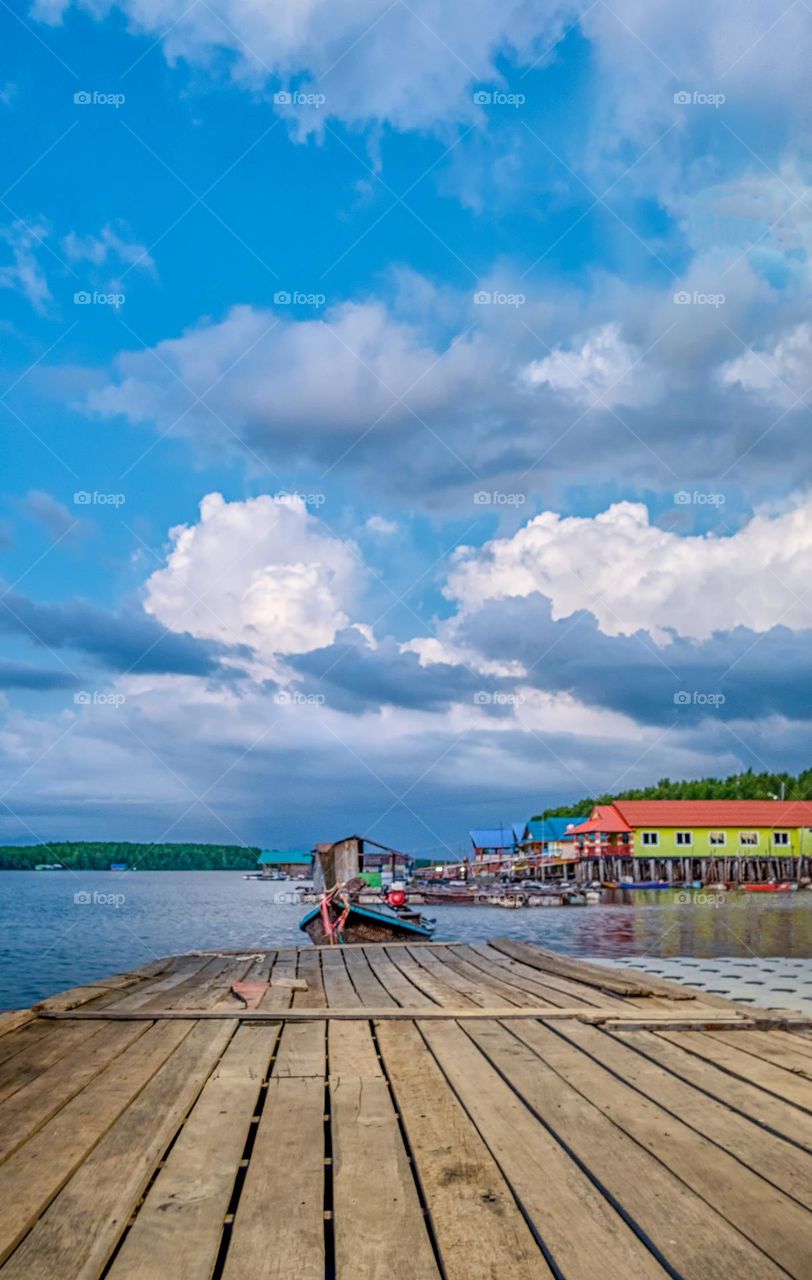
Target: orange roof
(604, 817)
(714, 813)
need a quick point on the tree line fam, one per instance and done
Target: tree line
(86, 855)
(738, 786)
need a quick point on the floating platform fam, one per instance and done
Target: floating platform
(402, 1112)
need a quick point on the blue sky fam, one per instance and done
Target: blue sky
(405, 413)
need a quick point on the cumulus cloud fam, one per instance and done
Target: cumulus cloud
(631, 575)
(264, 572)
(601, 374)
(782, 376)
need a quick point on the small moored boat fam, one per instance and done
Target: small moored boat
(339, 920)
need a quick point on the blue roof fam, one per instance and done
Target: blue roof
(493, 837)
(553, 828)
(275, 857)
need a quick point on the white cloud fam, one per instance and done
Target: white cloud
(25, 273)
(634, 576)
(263, 572)
(605, 371)
(782, 376)
(106, 245)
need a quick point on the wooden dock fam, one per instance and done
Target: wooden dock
(488, 1112)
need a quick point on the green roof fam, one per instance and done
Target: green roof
(275, 857)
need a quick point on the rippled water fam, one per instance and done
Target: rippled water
(49, 940)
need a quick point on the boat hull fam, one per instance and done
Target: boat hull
(365, 925)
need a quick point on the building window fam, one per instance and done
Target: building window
(748, 837)
(684, 837)
(717, 837)
(650, 837)
(781, 837)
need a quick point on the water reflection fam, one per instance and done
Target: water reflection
(61, 929)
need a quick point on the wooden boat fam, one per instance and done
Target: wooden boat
(646, 884)
(784, 887)
(353, 923)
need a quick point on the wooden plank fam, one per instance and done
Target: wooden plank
(618, 981)
(31, 1107)
(472, 986)
(480, 1232)
(337, 986)
(549, 991)
(79, 1230)
(651, 1196)
(309, 968)
(365, 980)
(761, 1044)
(22, 1036)
(778, 1226)
(379, 1227)
(15, 1018)
(177, 974)
(439, 992)
(400, 988)
(278, 1231)
(178, 1228)
(494, 989)
(702, 1019)
(577, 1225)
(24, 1067)
(33, 1175)
(774, 1159)
(748, 1099)
(775, 1080)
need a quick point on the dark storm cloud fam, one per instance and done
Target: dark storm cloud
(23, 675)
(127, 642)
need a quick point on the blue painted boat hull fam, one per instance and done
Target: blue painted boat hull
(365, 924)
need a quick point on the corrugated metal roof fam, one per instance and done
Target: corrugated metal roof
(273, 857)
(604, 817)
(554, 828)
(716, 813)
(492, 838)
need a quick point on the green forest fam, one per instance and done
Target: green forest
(84, 855)
(738, 786)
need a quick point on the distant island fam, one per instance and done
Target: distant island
(738, 786)
(86, 855)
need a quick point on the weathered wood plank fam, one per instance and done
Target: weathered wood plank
(761, 1044)
(439, 992)
(772, 1079)
(651, 1196)
(80, 1228)
(621, 982)
(309, 968)
(337, 986)
(580, 1229)
(32, 1106)
(480, 1232)
(762, 1214)
(33, 1175)
(380, 1231)
(278, 1231)
(15, 1018)
(746, 1098)
(178, 1228)
(365, 980)
(768, 1155)
(400, 988)
(24, 1067)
